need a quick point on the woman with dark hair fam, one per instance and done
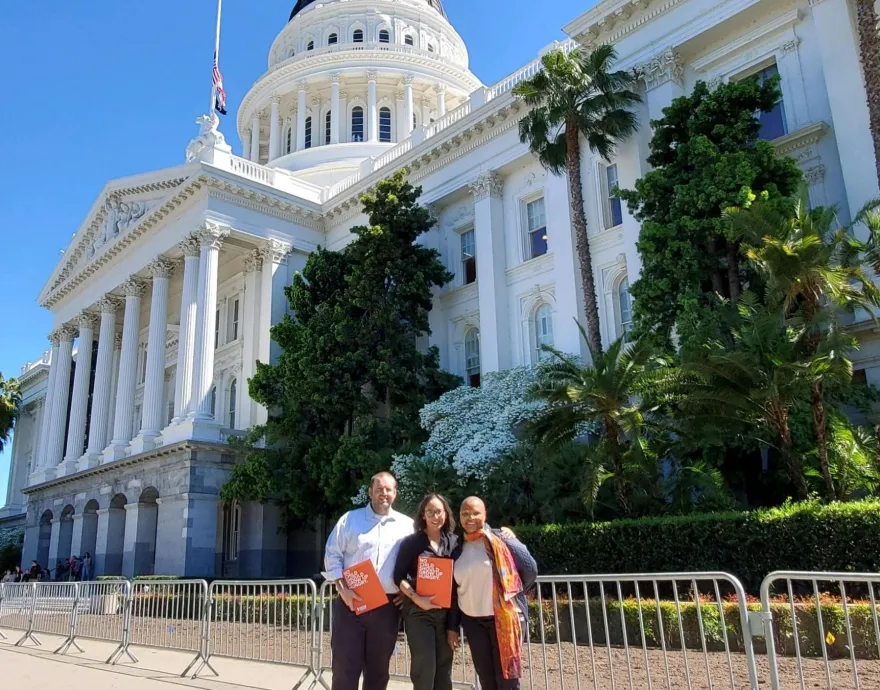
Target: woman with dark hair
(424, 621)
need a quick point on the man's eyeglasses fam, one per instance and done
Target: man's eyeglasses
(435, 513)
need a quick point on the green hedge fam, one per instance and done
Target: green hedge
(804, 536)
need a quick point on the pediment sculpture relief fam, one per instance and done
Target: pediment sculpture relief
(119, 217)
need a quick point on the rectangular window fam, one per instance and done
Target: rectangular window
(468, 257)
(232, 320)
(772, 123)
(537, 228)
(612, 205)
(217, 329)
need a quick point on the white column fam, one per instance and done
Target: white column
(79, 403)
(210, 237)
(560, 240)
(372, 112)
(343, 117)
(441, 100)
(134, 290)
(301, 115)
(154, 385)
(426, 111)
(186, 342)
(253, 268)
(491, 273)
(838, 39)
(255, 139)
(108, 307)
(40, 458)
(400, 111)
(246, 144)
(407, 105)
(55, 445)
(272, 302)
(274, 129)
(114, 386)
(334, 108)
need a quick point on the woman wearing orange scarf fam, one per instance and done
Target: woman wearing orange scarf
(492, 574)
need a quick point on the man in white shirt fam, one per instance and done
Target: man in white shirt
(365, 643)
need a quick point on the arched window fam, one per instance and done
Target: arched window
(292, 53)
(624, 308)
(328, 126)
(385, 124)
(311, 45)
(233, 399)
(408, 39)
(214, 401)
(384, 36)
(332, 39)
(308, 143)
(543, 330)
(288, 144)
(472, 357)
(357, 123)
(357, 36)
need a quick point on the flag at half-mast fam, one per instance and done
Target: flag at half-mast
(220, 97)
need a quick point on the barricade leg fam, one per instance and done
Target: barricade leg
(71, 636)
(123, 647)
(29, 633)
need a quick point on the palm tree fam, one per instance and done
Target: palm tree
(616, 394)
(576, 95)
(869, 50)
(813, 267)
(10, 402)
(757, 380)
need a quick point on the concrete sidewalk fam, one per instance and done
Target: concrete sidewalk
(29, 666)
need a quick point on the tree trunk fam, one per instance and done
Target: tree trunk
(612, 434)
(869, 52)
(818, 403)
(715, 276)
(792, 462)
(582, 241)
(733, 270)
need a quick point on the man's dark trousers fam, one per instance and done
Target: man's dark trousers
(363, 644)
(432, 657)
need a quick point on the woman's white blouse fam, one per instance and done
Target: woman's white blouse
(473, 575)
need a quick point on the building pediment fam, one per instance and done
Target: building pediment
(122, 206)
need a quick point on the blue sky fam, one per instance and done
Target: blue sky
(102, 89)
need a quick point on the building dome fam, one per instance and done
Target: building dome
(302, 4)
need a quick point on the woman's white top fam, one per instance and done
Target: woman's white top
(474, 577)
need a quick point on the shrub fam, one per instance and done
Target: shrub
(749, 545)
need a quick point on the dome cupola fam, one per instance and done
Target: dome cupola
(349, 79)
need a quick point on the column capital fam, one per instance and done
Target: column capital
(335, 78)
(211, 235)
(372, 74)
(408, 78)
(343, 95)
(440, 87)
(302, 85)
(486, 185)
(108, 304)
(253, 261)
(316, 100)
(275, 99)
(790, 46)
(133, 287)
(275, 251)
(190, 245)
(62, 334)
(663, 67)
(85, 319)
(160, 267)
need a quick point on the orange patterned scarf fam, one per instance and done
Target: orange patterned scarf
(508, 627)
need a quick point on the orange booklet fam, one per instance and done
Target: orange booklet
(434, 579)
(363, 580)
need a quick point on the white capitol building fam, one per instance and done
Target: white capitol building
(163, 301)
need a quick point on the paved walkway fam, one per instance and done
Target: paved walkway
(31, 667)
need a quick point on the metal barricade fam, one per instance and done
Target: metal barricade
(822, 629)
(53, 609)
(2, 587)
(463, 674)
(17, 609)
(101, 613)
(272, 620)
(168, 615)
(669, 630)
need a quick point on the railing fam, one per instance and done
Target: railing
(448, 119)
(663, 630)
(395, 48)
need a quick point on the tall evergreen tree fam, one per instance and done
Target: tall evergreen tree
(706, 154)
(347, 387)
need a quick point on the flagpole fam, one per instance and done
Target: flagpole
(216, 57)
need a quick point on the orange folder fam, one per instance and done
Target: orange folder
(363, 580)
(434, 579)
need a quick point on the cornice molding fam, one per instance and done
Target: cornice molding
(805, 136)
